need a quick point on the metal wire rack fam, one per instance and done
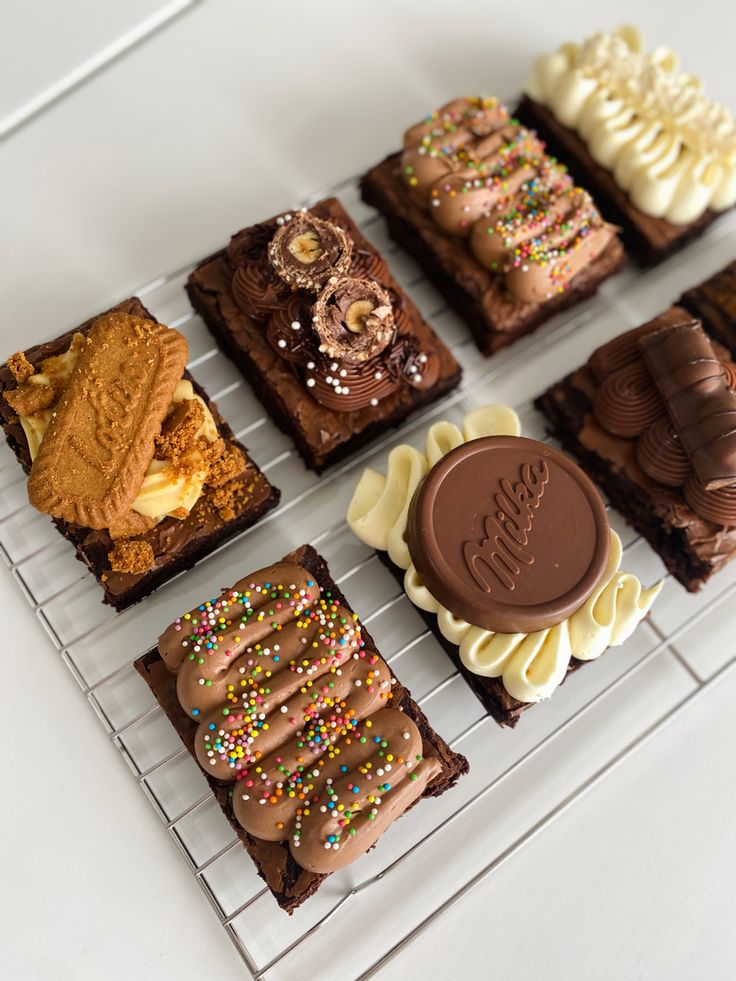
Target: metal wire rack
(520, 781)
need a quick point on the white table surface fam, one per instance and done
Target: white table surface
(227, 112)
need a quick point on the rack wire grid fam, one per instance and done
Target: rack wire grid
(520, 780)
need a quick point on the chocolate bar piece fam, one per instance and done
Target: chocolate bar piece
(333, 348)
(476, 530)
(297, 839)
(156, 552)
(656, 152)
(714, 302)
(663, 462)
(497, 226)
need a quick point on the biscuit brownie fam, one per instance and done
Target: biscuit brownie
(651, 417)
(477, 531)
(379, 760)
(496, 224)
(714, 302)
(332, 346)
(654, 151)
(130, 554)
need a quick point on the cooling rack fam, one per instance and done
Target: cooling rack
(520, 781)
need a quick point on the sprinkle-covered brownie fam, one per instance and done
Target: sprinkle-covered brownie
(652, 419)
(126, 453)
(312, 748)
(659, 156)
(498, 225)
(333, 347)
(478, 530)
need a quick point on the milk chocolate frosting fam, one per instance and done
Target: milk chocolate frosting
(292, 710)
(347, 337)
(508, 534)
(486, 178)
(669, 387)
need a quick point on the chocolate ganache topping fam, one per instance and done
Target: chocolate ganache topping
(291, 708)
(667, 385)
(348, 337)
(486, 178)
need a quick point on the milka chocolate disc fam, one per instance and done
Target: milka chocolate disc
(508, 534)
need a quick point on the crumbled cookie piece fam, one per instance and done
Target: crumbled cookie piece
(20, 367)
(211, 451)
(28, 399)
(230, 464)
(179, 429)
(229, 499)
(131, 556)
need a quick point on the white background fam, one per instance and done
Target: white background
(226, 114)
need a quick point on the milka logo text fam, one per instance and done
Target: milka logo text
(503, 550)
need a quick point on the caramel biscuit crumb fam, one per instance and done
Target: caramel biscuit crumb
(131, 556)
(228, 497)
(29, 399)
(179, 428)
(20, 367)
(229, 465)
(211, 451)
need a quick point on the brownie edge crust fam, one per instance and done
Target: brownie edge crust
(288, 882)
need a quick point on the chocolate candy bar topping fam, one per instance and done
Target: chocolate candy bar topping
(486, 178)
(668, 386)
(291, 709)
(508, 534)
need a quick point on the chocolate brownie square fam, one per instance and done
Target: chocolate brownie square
(276, 852)
(333, 347)
(175, 544)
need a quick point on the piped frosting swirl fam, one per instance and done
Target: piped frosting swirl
(669, 146)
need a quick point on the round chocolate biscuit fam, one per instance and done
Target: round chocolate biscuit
(508, 534)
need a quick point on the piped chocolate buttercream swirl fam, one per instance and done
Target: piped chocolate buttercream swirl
(627, 402)
(660, 455)
(256, 290)
(718, 506)
(306, 251)
(354, 319)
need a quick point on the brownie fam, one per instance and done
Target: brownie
(322, 435)
(176, 544)
(714, 302)
(691, 546)
(500, 705)
(495, 317)
(648, 239)
(289, 883)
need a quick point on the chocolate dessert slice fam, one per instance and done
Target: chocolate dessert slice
(495, 222)
(651, 418)
(714, 302)
(126, 453)
(336, 762)
(332, 346)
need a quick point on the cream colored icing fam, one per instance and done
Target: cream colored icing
(164, 490)
(669, 146)
(531, 665)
